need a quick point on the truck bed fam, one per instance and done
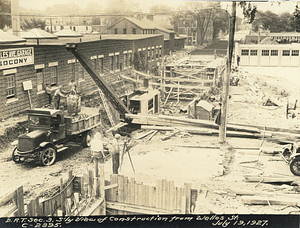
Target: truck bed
(90, 118)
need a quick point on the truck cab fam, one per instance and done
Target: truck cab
(46, 127)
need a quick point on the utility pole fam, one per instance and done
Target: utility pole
(226, 79)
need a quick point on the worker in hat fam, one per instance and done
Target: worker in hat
(117, 147)
(97, 148)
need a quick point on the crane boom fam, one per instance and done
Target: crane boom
(110, 95)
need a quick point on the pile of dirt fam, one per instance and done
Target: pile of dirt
(11, 133)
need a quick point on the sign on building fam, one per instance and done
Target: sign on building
(16, 57)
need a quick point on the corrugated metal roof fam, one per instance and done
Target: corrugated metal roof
(38, 34)
(6, 38)
(67, 33)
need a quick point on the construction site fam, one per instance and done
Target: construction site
(173, 162)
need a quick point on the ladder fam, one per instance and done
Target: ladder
(107, 108)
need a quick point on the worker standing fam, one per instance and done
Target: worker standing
(48, 92)
(117, 147)
(97, 148)
(56, 97)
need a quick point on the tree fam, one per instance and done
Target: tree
(200, 14)
(220, 22)
(160, 9)
(296, 19)
(5, 20)
(33, 23)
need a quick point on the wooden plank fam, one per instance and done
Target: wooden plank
(102, 182)
(147, 192)
(183, 205)
(271, 179)
(166, 196)
(136, 209)
(264, 200)
(140, 194)
(187, 189)
(152, 195)
(92, 208)
(120, 197)
(170, 136)
(125, 187)
(140, 136)
(114, 191)
(108, 187)
(19, 199)
(159, 184)
(136, 194)
(90, 186)
(132, 191)
(10, 212)
(9, 195)
(172, 196)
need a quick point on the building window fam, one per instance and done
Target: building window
(118, 62)
(159, 52)
(95, 62)
(116, 31)
(39, 79)
(125, 59)
(152, 53)
(10, 86)
(133, 30)
(79, 75)
(111, 61)
(72, 70)
(101, 65)
(86, 28)
(253, 52)
(295, 52)
(130, 59)
(245, 52)
(286, 53)
(265, 52)
(53, 75)
(124, 31)
(148, 56)
(274, 52)
(156, 52)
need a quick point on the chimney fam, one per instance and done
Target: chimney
(15, 18)
(150, 17)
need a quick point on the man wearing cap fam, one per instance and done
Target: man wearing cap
(97, 147)
(117, 147)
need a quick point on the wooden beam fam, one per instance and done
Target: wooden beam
(92, 207)
(272, 200)
(9, 194)
(138, 209)
(110, 186)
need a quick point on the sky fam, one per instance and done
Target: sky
(285, 6)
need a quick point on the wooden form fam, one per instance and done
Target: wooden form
(91, 194)
(135, 197)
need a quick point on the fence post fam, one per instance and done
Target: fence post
(19, 199)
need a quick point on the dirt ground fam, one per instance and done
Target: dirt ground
(167, 160)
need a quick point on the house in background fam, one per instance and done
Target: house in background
(139, 25)
(188, 27)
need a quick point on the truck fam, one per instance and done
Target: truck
(49, 132)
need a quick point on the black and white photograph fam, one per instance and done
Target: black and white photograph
(140, 113)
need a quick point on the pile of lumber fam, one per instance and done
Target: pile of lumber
(206, 127)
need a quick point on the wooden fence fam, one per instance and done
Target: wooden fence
(90, 194)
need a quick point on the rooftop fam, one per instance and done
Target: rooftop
(86, 38)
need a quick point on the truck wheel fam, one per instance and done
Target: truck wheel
(16, 158)
(48, 156)
(86, 139)
(295, 166)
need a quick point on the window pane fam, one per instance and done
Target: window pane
(39, 79)
(295, 52)
(265, 52)
(53, 77)
(10, 85)
(253, 52)
(286, 53)
(245, 52)
(274, 52)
